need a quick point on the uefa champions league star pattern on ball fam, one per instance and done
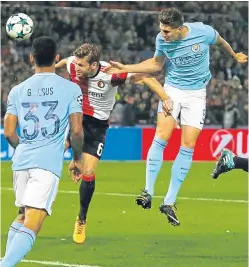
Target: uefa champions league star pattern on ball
(20, 26)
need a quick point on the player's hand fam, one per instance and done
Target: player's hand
(75, 169)
(167, 105)
(115, 68)
(240, 57)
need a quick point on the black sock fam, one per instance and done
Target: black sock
(86, 191)
(241, 163)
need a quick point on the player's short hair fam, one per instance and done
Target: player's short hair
(91, 51)
(44, 51)
(171, 17)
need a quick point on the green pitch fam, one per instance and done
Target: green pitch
(119, 234)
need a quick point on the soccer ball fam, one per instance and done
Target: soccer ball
(19, 26)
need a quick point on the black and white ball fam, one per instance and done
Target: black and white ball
(19, 26)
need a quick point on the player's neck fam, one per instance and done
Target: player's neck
(184, 32)
(45, 69)
(94, 72)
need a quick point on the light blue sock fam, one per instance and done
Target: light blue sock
(154, 163)
(15, 226)
(20, 245)
(179, 172)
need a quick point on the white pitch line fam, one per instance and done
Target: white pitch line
(133, 195)
(57, 263)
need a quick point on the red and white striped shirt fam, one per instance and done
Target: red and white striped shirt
(98, 91)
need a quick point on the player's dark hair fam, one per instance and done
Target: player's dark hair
(171, 17)
(44, 51)
(91, 51)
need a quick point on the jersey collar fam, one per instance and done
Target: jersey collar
(96, 72)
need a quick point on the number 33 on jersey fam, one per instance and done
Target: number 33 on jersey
(43, 104)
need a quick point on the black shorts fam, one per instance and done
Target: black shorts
(94, 135)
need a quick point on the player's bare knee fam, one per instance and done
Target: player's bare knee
(188, 144)
(162, 134)
(189, 141)
(165, 126)
(20, 218)
(21, 215)
(34, 218)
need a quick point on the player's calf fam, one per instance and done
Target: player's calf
(25, 236)
(86, 191)
(15, 226)
(34, 219)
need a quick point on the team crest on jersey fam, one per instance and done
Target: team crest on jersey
(80, 99)
(101, 84)
(196, 48)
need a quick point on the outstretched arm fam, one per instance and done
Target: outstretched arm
(225, 46)
(61, 64)
(148, 66)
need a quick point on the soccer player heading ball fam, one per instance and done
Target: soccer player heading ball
(99, 90)
(185, 46)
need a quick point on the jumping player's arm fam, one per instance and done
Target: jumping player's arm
(225, 46)
(144, 79)
(148, 66)
(11, 120)
(213, 37)
(155, 86)
(151, 82)
(61, 64)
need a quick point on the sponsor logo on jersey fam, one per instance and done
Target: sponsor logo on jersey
(96, 95)
(194, 58)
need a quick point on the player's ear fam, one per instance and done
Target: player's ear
(57, 58)
(31, 59)
(94, 65)
(180, 28)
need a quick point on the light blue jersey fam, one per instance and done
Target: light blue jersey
(43, 104)
(188, 66)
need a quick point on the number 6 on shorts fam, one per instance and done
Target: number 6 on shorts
(100, 149)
